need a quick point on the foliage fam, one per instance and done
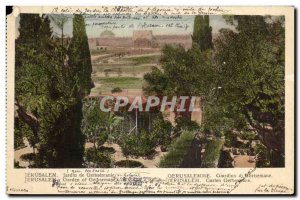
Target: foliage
(142, 60)
(225, 160)
(20, 131)
(102, 138)
(129, 164)
(218, 120)
(95, 121)
(116, 90)
(141, 144)
(262, 156)
(250, 71)
(28, 157)
(47, 98)
(17, 164)
(186, 124)
(246, 135)
(212, 153)
(181, 72)
(97, 51)
(230, 139)
(108, 83)
(98, 158)
(177, 151)
(161, 130)
(202, 33)
(80, 57)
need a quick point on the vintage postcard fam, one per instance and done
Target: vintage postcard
(150, 100)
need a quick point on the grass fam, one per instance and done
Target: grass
(178, 150)
(142, 59)
(212, 153)
(121, 68)
(108, 83)
(139, 64)
(97, 51)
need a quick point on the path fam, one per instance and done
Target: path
(18, 153)
(242, 161)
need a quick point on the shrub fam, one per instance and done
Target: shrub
(212, 153)
(262, 156)
(28, 157)
(178, 150)
(225, 160)
(116, 90)
(129, 164)
(229, 139)
(141, 144)
(102, 138)
(99, 159)
(186, 124)
(247, 135)
(17, 164)
(162, 131)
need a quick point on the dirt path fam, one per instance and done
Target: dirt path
(244, 161)
(18, 153)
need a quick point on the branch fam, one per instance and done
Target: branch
(28, 118)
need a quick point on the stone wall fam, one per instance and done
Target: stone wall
(141, 39)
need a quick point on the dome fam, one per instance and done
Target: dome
(107, 33)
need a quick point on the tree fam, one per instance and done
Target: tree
(60, 21)
(202, 33)
(94, 121)
(250, 68)
(32, 71)
(80, 58)
(162, 131)
(185, 73)
(46, 99)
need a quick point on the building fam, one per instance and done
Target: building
(141, 39)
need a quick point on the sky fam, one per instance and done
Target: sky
(123, 26)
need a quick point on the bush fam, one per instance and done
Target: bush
(141, 144)
(129, 164)
(102, 138)
(99, 159)
(178, 150)
(262, 156)
(17, 164)
(212, 153)
(247, 135)
(28, 157)
(109, 150)
(186, 124)
(161, 131)
(229, 139)
(116, 90)
(225, 160)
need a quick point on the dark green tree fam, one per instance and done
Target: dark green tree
(32, 70)
(185, 73)
(46, 98)
(80, 58)
(250, 71)
(202, 33)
